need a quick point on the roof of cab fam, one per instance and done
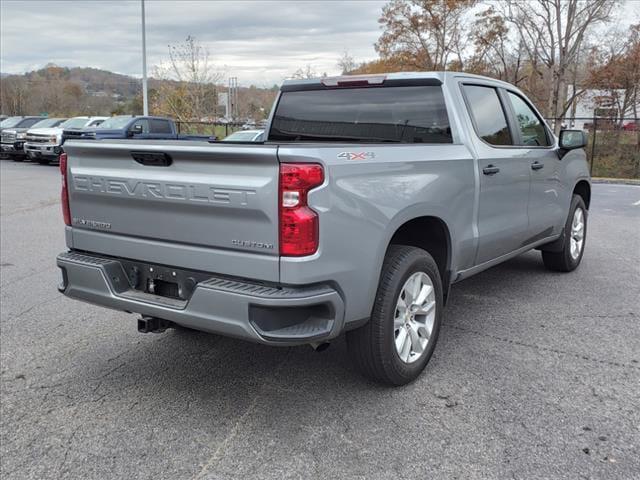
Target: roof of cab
(441, 76)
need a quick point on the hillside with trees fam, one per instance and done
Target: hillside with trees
(63, 91)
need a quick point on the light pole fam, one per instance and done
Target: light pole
(145, 100)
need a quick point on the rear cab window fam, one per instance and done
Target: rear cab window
(381, 114)
(160, 126)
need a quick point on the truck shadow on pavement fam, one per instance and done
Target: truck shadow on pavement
(207, 366)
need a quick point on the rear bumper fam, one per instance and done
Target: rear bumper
(272, 315)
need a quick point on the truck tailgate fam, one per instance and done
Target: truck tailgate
(207, 207)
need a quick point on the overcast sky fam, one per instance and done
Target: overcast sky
(258, 42)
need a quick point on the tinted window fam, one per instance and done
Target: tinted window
(160, 126)
(144, 123)
(28, 122)
(488, 115)
(531, 128)
(10, 122)
(48, 123)
(414, 114)
(76, 122)
(116, 122)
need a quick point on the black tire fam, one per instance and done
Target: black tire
(562, 260)
(372, 346)
(44, 161)
(18, 159)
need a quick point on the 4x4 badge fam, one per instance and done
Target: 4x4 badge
(356, 155)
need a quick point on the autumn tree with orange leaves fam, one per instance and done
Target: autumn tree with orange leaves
(424, 34)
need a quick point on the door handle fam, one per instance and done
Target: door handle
(537, 165)
(152, 159)
(490, 170)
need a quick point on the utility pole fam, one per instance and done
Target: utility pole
(145, 99)
(232, 92)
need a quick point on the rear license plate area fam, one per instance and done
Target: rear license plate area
(161, 280)
(164, 289)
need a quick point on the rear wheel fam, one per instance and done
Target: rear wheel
(398, 341)
(44, 161)
(575, 235)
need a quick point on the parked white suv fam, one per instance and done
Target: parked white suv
(45, 144)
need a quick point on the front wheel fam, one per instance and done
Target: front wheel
(575, 235)
(398, 341)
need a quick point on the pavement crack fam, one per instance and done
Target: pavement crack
(68, 449)
(546, 349)
(28, 276)
(215, 458)
(620, 315)
(24, 312)
(43, 204)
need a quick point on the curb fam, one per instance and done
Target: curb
(623, 181)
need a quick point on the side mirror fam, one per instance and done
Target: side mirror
(572, 139)
(136, 129)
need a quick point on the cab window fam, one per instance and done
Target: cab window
(488, 115)
(145, 125)
(160, 126)
(532, 131)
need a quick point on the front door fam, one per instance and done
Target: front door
(546, 197)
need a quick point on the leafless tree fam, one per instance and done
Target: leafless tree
(190, 89)
(307, 72)
(346, 63)
(552, 33)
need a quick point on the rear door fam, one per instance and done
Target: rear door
(504, 175)
(160, 128)
(190, 204)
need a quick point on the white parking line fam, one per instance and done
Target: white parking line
(636, 204)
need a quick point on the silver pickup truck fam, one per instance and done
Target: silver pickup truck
(368, 199)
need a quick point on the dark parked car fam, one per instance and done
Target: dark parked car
(125, 126)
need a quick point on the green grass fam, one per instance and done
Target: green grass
(616, 154)
(220, 131)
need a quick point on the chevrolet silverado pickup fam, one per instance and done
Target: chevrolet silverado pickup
(368, 199)
(45, 144)
(12, 133)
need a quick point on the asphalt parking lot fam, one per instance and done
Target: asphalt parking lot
(536, 375)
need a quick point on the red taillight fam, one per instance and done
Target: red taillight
(298, 222)
(354, 80)
(64, 194)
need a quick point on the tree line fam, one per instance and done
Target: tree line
(554, 50)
